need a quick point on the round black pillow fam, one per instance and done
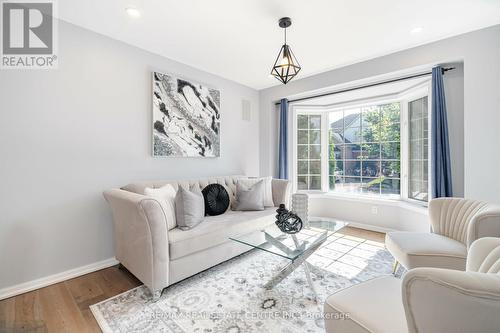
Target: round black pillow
(216, 199)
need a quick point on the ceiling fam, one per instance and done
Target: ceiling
(239, 39)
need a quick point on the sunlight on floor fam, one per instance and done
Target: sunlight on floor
(347, 255)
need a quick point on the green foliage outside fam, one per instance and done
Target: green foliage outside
(380, 140)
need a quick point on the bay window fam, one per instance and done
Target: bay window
(376, 148)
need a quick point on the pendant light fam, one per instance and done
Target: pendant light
(286, 65)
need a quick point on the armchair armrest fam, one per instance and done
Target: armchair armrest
(441, 300)
(484, 255)
(485, 223)
(281, 192)
(141, 239)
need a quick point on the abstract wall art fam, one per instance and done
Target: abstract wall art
(186, 118)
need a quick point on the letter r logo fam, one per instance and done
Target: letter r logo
(27, 28)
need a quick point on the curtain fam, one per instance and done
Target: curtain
(283, 141)
(440, 146)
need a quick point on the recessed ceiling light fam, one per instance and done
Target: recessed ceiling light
(416, 30)
(133, 12)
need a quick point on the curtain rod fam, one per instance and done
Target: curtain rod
(369, 85)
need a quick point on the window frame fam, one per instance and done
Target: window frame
(404, 98)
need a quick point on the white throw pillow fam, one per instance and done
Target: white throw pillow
(189, 207)
(249, 197)
(268, 188)
(166, 197)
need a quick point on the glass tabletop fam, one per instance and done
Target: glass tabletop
(272, 240)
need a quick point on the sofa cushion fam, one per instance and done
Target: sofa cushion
(372, 306)
(424, 249)
(215, 230)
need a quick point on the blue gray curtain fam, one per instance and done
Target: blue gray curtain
(440, 145)
(283, 141)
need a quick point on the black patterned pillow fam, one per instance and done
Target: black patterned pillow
(216, 199)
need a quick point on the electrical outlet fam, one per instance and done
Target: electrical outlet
(374, 210)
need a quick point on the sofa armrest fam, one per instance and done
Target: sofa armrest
(141, 239)
(444, 300)
(281, 192)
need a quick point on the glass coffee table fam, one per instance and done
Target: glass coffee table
(296, 247)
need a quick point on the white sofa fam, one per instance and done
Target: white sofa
(160, 257)
(427, 300)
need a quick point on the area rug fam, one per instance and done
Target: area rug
(230, 297)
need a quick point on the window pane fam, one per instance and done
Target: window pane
(390, 113)
(368, 134)
(390, 150)
(302, 182)
(315, 137)
(352, 152)
(302, 168)
(352, 118)
(391, 169)
(315, 182)
(315, 152)
(315, 167)
(352, 168)
(371, 116)
(302, 152)
(336, 168)
(391, 186)
(336, 136)
(315, 122)
(302, 136)
(352, 185)
(371, 151)
(336, 120)
(371, 185)
(336, 152)
(352, 134)
(370, 168)
(418, 149)
(302, 122)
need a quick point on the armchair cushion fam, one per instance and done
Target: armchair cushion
(372, 306)
(413, 249)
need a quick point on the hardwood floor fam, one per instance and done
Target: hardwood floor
(64, 307)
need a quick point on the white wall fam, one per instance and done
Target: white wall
(371, 214)
(480, 52)
(68, 134)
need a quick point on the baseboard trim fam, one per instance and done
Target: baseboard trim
(55, 278)
(370, 227)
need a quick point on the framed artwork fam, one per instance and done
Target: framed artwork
(186, 118)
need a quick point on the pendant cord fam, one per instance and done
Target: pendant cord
(285, 36)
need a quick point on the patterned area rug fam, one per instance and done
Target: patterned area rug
(230, 297)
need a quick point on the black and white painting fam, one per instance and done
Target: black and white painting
(186, 118)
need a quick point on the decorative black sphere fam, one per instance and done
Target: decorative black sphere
(287, 221)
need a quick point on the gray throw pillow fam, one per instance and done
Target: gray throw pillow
(249, 197)
(189, 207)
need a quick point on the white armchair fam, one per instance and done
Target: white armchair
(456, 223)
(429, 300)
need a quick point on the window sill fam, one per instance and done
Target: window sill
(414, 206)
